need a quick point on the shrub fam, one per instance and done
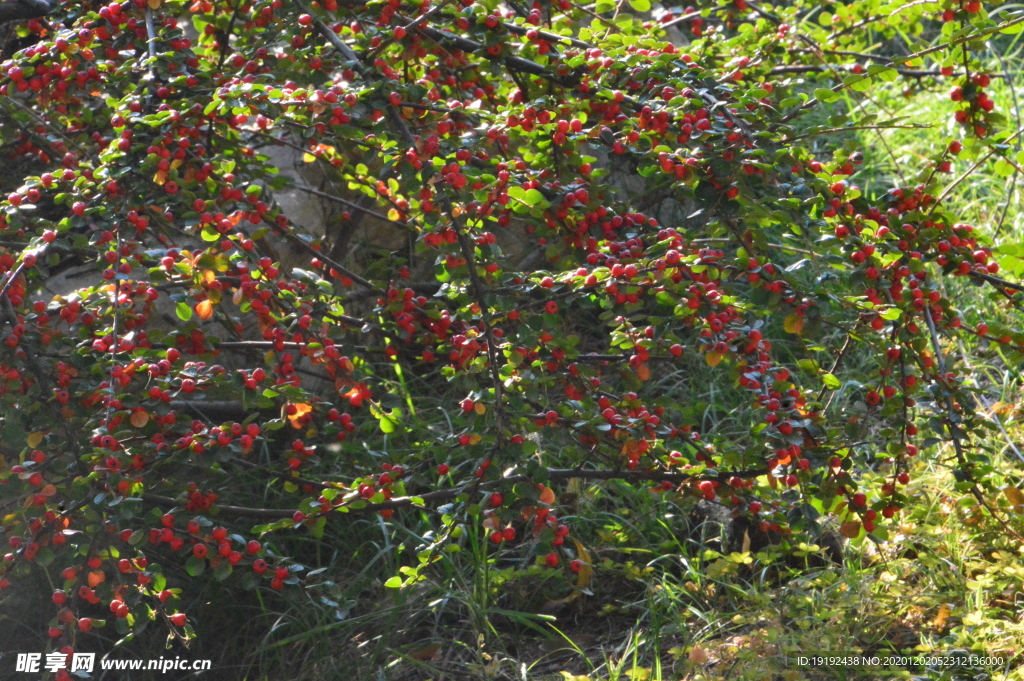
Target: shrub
(679, 192)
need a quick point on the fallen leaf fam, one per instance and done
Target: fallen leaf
(850, 529)
(940, 618)
(428, 654)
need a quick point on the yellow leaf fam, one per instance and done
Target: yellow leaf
(480, 409)
(713, 359)
(160, 177)
(793, 324)
(176, 163)
(586, 565)
(204, 309)
(308, 158)
(155, 4)
(139, 419)
(547, 495)
(34, 439)
(475, 438)
(1016, 499)
(940, 619)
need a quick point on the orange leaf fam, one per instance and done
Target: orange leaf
(139, 419)
(480, 408)
(96, 577)
(204, 309)
(300, 411)
(643, 372)
(793, 324)
(48, 491)
(547, 495)
(713, 359)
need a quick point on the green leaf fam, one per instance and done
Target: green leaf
(195, 566)
(640, 5)
(807, 365)
(858, 82)
(825, 95)
(222, 571)
(184, 311)
(830, 381)
(394, 583)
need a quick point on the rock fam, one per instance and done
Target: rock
(714, 524)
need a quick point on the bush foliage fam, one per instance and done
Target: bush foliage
(565, 242)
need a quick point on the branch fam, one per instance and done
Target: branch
(449, 494)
